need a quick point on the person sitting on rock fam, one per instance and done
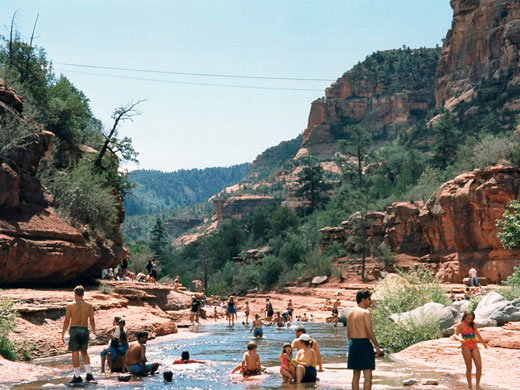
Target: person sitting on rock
(185, 359)
(473, 277)
(142, 277)
(117, 347)
(136, 362)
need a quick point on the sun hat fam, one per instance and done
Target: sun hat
(304, 337)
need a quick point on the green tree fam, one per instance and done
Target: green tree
(509, 225)
(355, 149)
(445, 142)
(157, 240)
(313, 187)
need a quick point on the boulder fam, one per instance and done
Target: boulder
(343, 316)
(484, 323)
(489, 304)
(461, 306)
(507, 313)
(444, 315)
(319, 280)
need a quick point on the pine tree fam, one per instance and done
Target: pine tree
(157, 241)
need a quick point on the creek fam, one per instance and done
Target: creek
(222, 348)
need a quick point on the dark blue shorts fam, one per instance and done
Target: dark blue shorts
(310, 374)
(361, 355)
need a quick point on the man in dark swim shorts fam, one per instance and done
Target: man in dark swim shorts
(361, 356)
(78, 315)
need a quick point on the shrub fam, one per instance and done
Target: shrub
(317, 264)
(246, 278)
(514, 279)
(292, 251)
(82, 196)
(510, 293)
(105, 288)
(336, 250)
(420, 288)
(385, 255)
(8, 315)
(270, 271)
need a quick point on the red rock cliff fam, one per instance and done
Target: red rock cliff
(378, 94)
(454, 230)
(36, 245)
(483, 40)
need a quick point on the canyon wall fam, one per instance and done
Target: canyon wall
(454, 231)
(483, 42)
(37, 246)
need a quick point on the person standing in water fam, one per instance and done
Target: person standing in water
(78, 315)
(268, 310)
(247, 310)
(468, 335)
(361, 355)
(231, 310)
(257, 326)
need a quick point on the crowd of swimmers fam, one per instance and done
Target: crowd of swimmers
(122, 356)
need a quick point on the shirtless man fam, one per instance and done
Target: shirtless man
(268, 310)
(296, 344)
(278, 320)
(77, 315)
(361, 355)
(136, 357)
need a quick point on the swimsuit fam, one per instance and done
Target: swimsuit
(248, 372)
(258, 332)
(468, 334)
(361, 355)
(78, 338)
(335, 311)
(285, 363)
(270, 310)
(231, 308)
(137, 369)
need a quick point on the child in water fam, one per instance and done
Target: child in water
(469, 336)
(251, 361)
(287, 369)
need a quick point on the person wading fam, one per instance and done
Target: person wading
(361, 355)
(77, 315)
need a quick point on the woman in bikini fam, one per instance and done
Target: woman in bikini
(468, 335)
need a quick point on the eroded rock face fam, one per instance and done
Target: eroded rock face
(371, 98)
(455, 230)
(37, 246)
(483, 40)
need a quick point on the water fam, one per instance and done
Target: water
(222, 348)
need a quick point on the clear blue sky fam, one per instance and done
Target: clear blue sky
(198, 126)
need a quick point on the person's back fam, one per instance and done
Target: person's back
(79, 313)
(251, 361)
(356, 323)
(136, 352)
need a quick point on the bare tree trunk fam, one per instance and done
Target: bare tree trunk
(11, 54)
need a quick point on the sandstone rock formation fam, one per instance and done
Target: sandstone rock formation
(37, 246)
(483, 41)
(455, 230)
(373, 97)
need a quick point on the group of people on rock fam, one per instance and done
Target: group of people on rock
(149, 274)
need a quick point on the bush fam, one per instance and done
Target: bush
(105, 288)
(336, 250)
(8, 316)
(82, 196)
(509, 225)
(514, 279)
(510, 293)
(420, 288)
(246, 278)
(270, 271)
(317, 264)
(292, 251)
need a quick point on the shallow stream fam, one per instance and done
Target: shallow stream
(222, 348)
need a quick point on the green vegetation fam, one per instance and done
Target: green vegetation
(157, 191)
(87, 186)
(419, 287)
(8, 317)
(509, 225)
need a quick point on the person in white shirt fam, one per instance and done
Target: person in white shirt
(473, 276)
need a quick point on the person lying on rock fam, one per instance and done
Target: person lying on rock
(136, 362)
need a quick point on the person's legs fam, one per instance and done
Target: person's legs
(103, 359)
(355, 379)
(155, 367)
(466, 354)
(300, 373)
(478, 365)
(367, 375)
(75, 359)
